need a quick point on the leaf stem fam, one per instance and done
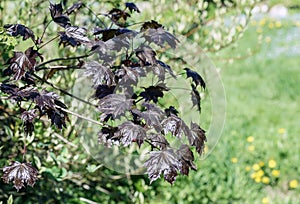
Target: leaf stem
(90, 10)
(45, 30)
(48, 42)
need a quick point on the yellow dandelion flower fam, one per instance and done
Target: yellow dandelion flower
(271, 25)
(248, 168)
(260, 173)
(265, 180)
(293, 183)
(265, 200)
(255, 167)
(206, 149)
(250, 139)
(253, 23)
(234, 160)
(251, 148)
(239, 29)
(253, 175)
(257, 179)
(278, 24)
(261, 163)
(272, 163)
(281, 130)
(268, 39)
(275, 173)
(259, 30)
(262, 22)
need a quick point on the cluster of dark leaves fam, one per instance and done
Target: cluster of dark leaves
(151, 124)
(46, 103)
(115, 82)
(146, 121)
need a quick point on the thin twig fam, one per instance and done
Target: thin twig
(65, 140)
(63, 91)
(80, 116)
(90, 10)
(61, 67)
(61, 59)
(89, 201)
(45, 30)
(48, 42)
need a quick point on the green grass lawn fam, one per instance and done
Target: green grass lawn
(257, 157)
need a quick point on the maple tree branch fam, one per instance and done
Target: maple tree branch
(65, 140)
(80, 116)
(61, 67)
(64, 91)
(37, 68)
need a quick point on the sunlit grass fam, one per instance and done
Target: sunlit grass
(257, 158)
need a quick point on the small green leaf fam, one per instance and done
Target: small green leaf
(64, 172)
(92, 168)
(10, 200)
(29, 138)
(37, 162)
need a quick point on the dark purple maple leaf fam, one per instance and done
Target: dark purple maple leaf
(104, 90)
(197, 138)
(197, 79)
(19, 94)
(105, 136)
(115, 105)
(151, 25)
(146, 55)
(129, 132)
(162, 162)
(28, 117)
(74, 8)
(56, 11)
(22, 62)
(171, 111)
(46, 99)
(132, 7)
(118, 15)
(19, 29)
(160, 37)
(152, 93)
(152, 117)
(186, 159)
(102, 75)
(166, 67)
(20, 174)
(196, 98)
(157, 141)
(176, 126)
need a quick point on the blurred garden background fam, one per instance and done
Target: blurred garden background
(257, 158)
